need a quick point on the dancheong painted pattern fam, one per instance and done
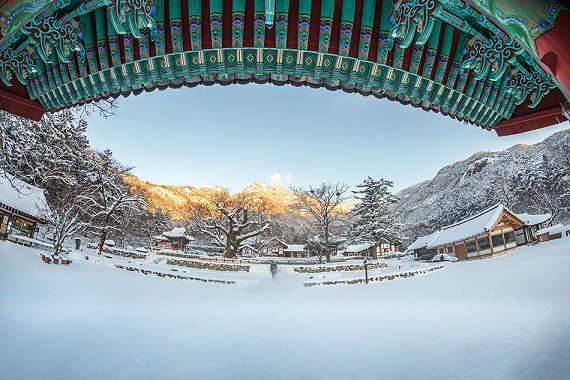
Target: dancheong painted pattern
(499, 64)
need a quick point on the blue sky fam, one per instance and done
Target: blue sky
(231, 136)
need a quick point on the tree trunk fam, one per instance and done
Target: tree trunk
(102, 240)
(327, 251)
(229, 252)
(57, 247)
(123, 238)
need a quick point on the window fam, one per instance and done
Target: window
(471, 247)
(450, 249)
(22, 227)
(497, 240)
(509, 237)
(483, 243)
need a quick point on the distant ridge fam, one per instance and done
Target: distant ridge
(175, 198)
(468, 186)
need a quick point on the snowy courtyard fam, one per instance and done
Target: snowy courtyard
(503, 317)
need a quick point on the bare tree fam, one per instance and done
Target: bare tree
(154, 223)
(228, 220)
(64, 216)
(321, 206)
(128, 220)
(104, 107)
(109, 195)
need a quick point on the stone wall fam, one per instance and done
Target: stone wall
(294, 261)
(388, 277)
(181, 255)
(208, 265)
(125, 253)
(339, 268)
(169, 275)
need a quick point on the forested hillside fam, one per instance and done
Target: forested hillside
(533, 178)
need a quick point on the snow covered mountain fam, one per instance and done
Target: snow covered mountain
(481, 180)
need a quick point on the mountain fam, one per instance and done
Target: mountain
(483, 179)
(175, 198)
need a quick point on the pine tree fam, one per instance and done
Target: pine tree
(373, 219)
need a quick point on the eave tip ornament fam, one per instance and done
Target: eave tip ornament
(269, 13)
(408, 17)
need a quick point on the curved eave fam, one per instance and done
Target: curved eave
(276, 81)
(193, 46)
(553, 49)
(15, 100)
(547, 113)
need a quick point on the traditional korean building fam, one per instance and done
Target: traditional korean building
(295, 250)
(360, 250)
(249, 250)
(160, 241)
(273, 247)
(387, 245)
(532, 223)
(419, 248)
(373, 250)
(491, 231)
(21, 205)
(176, 239)
(557, 231)
(315, 248)
(500, 65)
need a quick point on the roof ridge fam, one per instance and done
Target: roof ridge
(475, 216)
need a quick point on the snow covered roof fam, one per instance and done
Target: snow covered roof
(250, 247)
(177, 232)
(274, 242)
(358, 247)
(21, 196)
(533, 220)
(474, 226)
(294, 248)
(553, 229)
(422, 241)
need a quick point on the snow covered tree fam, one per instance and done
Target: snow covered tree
(322, 208)
(49, 153)
(65, 216)
(153, 223)
(373, 219)
(109, 195)
(502, 191)
(128, 220)
(290, 228)
(228, 220)
(545, 187)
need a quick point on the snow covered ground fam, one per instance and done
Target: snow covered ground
(504, 317)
